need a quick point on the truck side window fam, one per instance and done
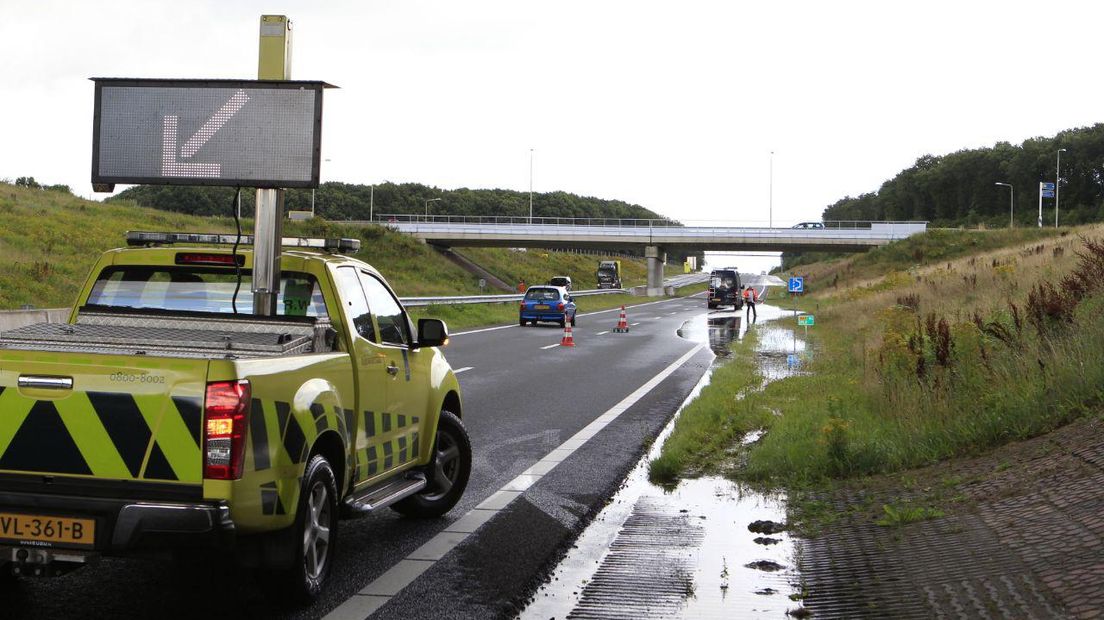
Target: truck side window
(355, 302)
(389, 314)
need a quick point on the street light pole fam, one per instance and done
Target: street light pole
(371, 201)
(1011, 204)
(770, 188)
(427, 206)
(530, 186)
(1057, 183)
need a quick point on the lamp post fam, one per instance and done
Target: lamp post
(770, 189)
(427, 206)
(1057, 182)
(1011, 203)
(530, 186)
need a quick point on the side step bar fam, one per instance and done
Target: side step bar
(388, 493)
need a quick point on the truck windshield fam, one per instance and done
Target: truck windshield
(189, 289)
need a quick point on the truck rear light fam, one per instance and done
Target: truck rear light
(226, 413)
(560, 306)
(521, 306)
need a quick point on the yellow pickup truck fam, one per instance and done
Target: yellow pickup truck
(165, 415)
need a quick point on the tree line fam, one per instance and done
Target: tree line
(959, 189)
(347, 201)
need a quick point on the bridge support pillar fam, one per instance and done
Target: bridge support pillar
(656, 257)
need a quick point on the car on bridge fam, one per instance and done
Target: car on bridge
(547, 303)
(809, 225)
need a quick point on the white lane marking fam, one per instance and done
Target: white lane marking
(633, 324)
(377, 593)
(602, 333)
(550, 346)
(460, 370)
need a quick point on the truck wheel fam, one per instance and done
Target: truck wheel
(447, 474)
(521, 322)
(316, 532)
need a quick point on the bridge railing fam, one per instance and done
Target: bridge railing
(406, 218)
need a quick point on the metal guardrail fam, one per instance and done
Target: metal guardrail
(414, 302)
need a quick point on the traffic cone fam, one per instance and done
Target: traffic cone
(568, 340)
(622, 323)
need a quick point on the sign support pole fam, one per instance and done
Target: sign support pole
(1040, 205)
(274, 63)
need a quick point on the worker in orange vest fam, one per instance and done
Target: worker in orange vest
(749, 302)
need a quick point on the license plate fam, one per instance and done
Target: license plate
(541, 307)
(47, 531)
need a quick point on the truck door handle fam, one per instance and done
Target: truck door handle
(46, 382)
(392, 369)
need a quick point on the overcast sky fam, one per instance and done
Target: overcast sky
(672, 105)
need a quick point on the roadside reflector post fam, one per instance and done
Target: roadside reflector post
(274, 63)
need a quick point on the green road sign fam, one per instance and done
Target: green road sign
(806, 320)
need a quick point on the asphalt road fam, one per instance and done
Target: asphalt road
(522, 399)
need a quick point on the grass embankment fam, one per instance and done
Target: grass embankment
(50, 240)
(935, 358)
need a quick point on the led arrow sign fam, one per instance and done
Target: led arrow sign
(206, 132)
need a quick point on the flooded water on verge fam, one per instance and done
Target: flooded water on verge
(687, 552)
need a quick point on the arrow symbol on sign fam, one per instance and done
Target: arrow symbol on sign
(213, 124)
(170, 167)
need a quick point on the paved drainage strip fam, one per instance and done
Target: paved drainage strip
(377, 593)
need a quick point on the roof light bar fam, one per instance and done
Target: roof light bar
(140, 238)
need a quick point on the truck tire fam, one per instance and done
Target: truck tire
(315, 533)
(447, 475)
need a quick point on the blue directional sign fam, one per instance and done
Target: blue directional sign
(797, 284)
(1046, 186)
(1048, 193)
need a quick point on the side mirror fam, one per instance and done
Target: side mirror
(432, 333)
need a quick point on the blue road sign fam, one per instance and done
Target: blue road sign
(1046, 187)
(797, 284)
(1048, 193)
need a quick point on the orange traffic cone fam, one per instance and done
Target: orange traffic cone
(568, 340)
(622, 323)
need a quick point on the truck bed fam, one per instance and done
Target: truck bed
(174, 336)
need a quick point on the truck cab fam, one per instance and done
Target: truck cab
(609, 274)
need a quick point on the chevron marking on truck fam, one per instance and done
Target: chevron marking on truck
(258, 433)
(128, 437)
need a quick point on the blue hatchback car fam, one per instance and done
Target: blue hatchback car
(547, 303)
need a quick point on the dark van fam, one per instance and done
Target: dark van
(724, 289)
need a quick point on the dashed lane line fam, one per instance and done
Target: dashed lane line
(602, 333)
(460, 370)
(402, 574)
(551, 345)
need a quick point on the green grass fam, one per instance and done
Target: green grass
(896, 516)
(719, 416)
(883, 395)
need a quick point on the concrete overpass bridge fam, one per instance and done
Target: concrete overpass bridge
(655, 237)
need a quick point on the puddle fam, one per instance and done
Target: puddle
(708, 548)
